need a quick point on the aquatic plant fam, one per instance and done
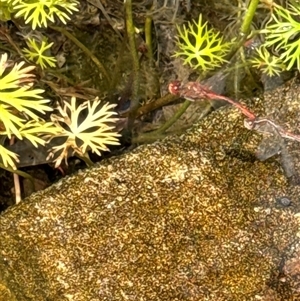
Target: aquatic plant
(282, 33)
(22, 107)
(39, 12)
(201, 47)
(37, 52)
(266, 62)
(19, 108)
(93, 132)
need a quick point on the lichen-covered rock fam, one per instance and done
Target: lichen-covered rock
(283, 107)
(193, 217)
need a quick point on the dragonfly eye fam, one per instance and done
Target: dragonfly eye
(174, 87)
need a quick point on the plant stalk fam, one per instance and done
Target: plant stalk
(135, 65)
(84, 49)
(160, 133)
(245, 27)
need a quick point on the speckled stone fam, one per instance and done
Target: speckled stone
(283, 107)
(193, 217)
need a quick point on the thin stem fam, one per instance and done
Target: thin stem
(160, 133)
(14, 45)
(245, 27)
(151, 70)
(147, 137)
(118, 66)
(99, 5)
(20, 173)
(86, 159)
(84, 49)
(135, 64)
(148, 38)
(158, 103)
(16, 179)
(175, 117)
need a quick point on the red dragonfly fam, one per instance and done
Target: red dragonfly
(194, 91)
(273, 142)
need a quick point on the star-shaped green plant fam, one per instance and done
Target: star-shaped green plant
(89, 126)
(19, 105)
(266, 62)
(39, 12)
(283, 34)
(201, 47)
(5, 11)
(38, 53)
(93, 132)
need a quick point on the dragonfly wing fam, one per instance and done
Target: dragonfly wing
(288, 163)
(268, 148)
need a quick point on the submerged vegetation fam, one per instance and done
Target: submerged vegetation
(201, 47)
(20, 100)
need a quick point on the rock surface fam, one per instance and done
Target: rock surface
(193, 217)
